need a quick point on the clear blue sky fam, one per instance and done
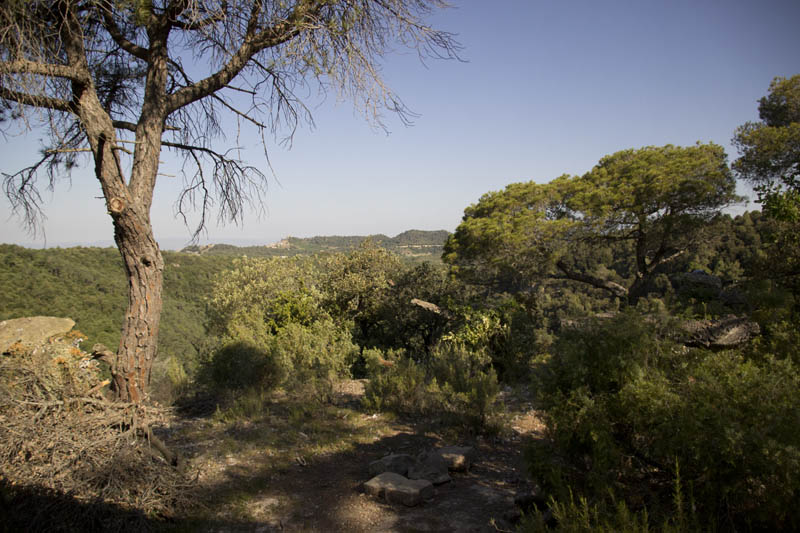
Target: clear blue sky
(549, 88)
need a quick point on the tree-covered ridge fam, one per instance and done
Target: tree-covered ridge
(415, 245)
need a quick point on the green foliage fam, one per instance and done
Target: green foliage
(308, 359)
(239, 365)
(88, 285)
(259, 297)
(314, 357)
(456, 384)
(769, 158)
(467, 382)
(355, 283)
(401, 387)
(622, 403)
(400, 324)
(770, 149)
(654, 200)
(611, 515)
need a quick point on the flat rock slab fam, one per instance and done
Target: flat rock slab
(32, 330)
(430, 465)
(458, 458)
(395, 488)
(399, 463)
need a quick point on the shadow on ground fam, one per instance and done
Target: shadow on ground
(322, 491)
(296, 470)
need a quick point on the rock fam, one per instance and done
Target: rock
(458, 458)
(399, 463)
(32, 330)
(395, 488)
(430, 465)
(726, 332)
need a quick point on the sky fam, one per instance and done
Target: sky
(546, 88)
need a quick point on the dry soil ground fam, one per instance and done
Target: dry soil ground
(295, 468)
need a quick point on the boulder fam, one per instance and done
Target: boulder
(726, 332)
(395, 488)
(430, 465)
(458, 458)
(399, 463)
(32, 330)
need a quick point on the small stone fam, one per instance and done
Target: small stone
(431, 466)
(399, 463)
(458, 458)
(395, 488)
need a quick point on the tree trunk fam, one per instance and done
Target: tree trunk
(144, 266)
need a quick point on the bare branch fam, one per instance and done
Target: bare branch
(253, 42)
(36, 100)
(24, 66)
(234, 183)
(113, 30)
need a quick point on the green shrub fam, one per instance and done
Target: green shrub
(238, 365)
(611, 515)
(305, 359)
(313, 357)
(457, 384)
(468, 383)
(401, 387)
(622, 403)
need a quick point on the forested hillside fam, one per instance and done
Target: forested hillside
(412, 245)
(88, 285)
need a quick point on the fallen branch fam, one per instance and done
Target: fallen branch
(433, 308)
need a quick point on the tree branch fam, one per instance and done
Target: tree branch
(614, 288)
(25, 66)
(253, 42)
(234, 182)
(35, 100)
(116, 34)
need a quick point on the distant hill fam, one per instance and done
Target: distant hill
(414, 245)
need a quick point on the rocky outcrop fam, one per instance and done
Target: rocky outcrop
(32, 330)
(727, 332)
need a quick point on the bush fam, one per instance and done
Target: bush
(308, 358)
(622, 403)
(457, 383)
(467, 382)
(314, 356)
(401, 387)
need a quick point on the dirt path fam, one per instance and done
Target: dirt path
(291, 471)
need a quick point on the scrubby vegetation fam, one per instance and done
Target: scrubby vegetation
(606, 295)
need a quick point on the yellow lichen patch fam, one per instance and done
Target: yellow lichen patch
(17, 349)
